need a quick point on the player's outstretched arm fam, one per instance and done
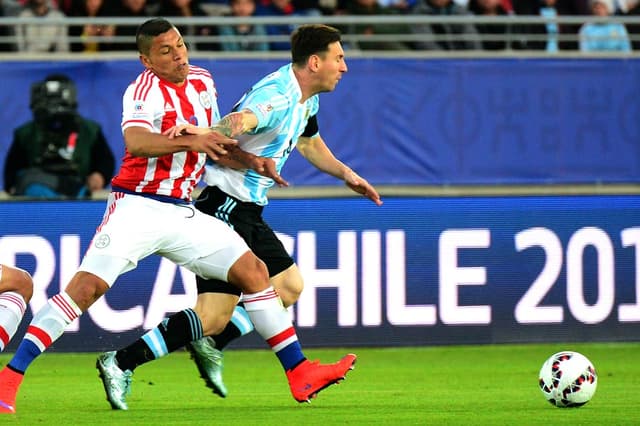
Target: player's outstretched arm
(234, 157)
(141, 142)
(318, 153)
(360, 185)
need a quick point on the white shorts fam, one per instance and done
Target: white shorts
(134, 227)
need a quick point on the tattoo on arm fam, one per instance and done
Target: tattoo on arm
(230, 125)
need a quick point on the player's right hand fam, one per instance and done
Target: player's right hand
(211, 143)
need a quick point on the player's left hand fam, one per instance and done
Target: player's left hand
(361, 186)
(185, 129)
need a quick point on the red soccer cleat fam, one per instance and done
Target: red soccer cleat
(9, 383)
(310, 377)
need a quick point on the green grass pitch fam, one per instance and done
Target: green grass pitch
(449, 385)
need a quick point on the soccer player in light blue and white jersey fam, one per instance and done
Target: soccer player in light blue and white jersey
(281, 116)
(275, 116)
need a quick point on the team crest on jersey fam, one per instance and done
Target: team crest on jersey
(205, 100)
(264, 109)
(138, 106)
(101, 241)
(193, 120)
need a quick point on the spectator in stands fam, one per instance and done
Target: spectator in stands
(215, 7)
(187, 9)
(10, 7)
(372, 7)
(604, 36)
(243, 8)
(495, 36)
(533, 34)
(42, 37)
(544, 36)
(506, 4)
(624, 6)
(334, 7)
(633, 10)
(59, 153)
(572, 8)
(89, 31)
(445, 36)
(7, 8)
(65, 6)
(129, 9)
(400, 6)
(314, 7)
(281, 8)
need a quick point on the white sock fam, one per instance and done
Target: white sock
(267, 313)
(49, 323)
(12, 309)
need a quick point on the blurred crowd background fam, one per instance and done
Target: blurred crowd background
(39, 26)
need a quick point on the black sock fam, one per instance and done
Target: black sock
(134, 355)
(230, 333)
(175, 332)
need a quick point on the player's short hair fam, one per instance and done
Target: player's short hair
(148, 30)
(312, 39)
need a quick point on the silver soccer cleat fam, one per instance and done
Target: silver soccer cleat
(208, 359)
(117, 383)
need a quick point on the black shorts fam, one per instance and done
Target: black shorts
(246, 219)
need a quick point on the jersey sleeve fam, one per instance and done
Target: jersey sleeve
(268, 104)
(312, 127)
(139, 112)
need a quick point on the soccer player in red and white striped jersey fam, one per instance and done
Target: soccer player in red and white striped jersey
(154, 104)
(149, 211)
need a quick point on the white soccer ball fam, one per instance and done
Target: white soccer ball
(568, 379)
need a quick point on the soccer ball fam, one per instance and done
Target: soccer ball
(568, 379)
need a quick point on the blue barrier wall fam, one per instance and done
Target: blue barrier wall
(416, 271)
(417, 121)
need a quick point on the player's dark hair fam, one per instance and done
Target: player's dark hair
(312, 39)
(148, 30)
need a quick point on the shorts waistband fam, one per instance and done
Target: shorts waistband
(245, 205)
(157, 197)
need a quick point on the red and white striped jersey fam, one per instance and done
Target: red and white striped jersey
(157, 105)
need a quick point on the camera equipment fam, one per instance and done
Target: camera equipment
(53, 100)
(54, 106)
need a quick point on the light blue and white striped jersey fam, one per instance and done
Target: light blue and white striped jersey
(275, 100)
